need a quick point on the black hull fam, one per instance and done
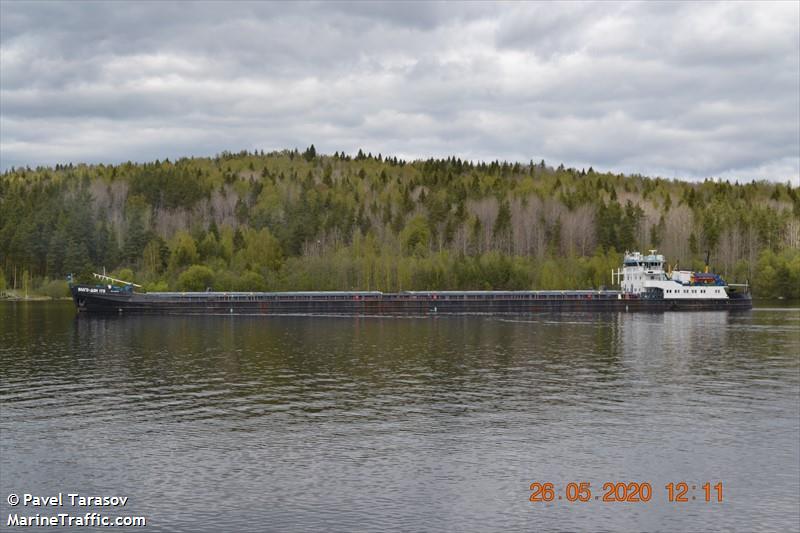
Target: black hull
(388, 304)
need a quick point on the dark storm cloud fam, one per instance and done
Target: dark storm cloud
(679, 90)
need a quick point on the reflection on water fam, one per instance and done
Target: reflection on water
(253, 423)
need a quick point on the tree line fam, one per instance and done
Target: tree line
(294, 220)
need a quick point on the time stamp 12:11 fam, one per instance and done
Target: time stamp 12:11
(621, 491)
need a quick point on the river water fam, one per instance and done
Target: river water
(227, 423)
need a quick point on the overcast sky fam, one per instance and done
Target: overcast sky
(676, 90)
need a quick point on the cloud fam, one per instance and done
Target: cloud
(671, 89)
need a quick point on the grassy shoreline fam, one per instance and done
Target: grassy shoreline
(19, 296)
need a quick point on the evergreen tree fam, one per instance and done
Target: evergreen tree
(136, 239)
(238, 240)
(502, 224)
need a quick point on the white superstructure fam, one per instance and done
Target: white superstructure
(644, 276)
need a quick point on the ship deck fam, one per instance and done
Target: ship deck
(377, 295)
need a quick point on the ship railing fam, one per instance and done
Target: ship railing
(745, 286)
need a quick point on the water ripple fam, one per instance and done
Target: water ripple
(381, 424)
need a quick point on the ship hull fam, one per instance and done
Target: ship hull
(388, 304)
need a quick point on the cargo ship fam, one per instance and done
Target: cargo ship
(644, 285)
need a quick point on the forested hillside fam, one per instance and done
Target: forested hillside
(299, 220)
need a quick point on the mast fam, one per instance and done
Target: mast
(109, 278)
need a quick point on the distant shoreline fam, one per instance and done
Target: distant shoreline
(15, 296)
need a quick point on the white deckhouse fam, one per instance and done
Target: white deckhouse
(644, 276)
